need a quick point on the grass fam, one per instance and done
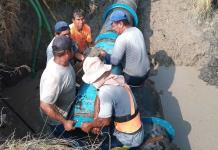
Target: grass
(31, 143)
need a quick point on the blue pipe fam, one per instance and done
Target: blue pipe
(87, 93)
(106, 46)
(106, 35)
(105, 41)
(163, 123)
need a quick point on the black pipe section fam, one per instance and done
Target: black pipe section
(19, 116)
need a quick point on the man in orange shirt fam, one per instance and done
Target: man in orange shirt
(80, 32)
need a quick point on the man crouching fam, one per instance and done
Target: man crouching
(115, 102)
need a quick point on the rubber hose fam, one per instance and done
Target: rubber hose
(45, 20)
(39, 33)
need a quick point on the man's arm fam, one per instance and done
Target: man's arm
(117, 53)
(97, 123)
(96, 112)
(79, 56)
(53, 113)
(96, 107)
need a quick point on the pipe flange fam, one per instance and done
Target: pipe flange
(124, 6)
(107, 35)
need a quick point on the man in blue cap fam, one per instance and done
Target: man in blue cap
(57, 86)
(129, 50)
(60, 28)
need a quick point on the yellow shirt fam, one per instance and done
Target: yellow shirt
(82, 38)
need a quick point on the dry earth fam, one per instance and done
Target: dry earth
(170, 31)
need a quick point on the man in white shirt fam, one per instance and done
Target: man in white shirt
(57, 85)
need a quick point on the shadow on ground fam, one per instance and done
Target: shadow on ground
(172, 112)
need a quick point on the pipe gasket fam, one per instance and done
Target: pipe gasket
(124, 6)
(105, 45)
(106, 35)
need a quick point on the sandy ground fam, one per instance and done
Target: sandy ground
(169, 30)
(190, 105)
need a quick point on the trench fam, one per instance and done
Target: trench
(167, 43)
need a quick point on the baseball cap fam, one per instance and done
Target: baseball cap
(61, 43)
(117, 16)
(61, 26)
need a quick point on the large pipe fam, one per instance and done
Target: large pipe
(84, 107)
(156, 128)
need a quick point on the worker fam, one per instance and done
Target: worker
(129, 50)
(60, 28)
(115, 103)
(57, 86)
(80, 32)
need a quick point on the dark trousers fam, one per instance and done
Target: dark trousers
(59, 132)
(114, 141)
(135, 81)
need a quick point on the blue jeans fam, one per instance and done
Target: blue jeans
(120, 139)
(135, 81)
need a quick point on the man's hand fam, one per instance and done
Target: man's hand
(86, 127)
(79, 56)
(69, 125)
(102, 53)
(96, 130)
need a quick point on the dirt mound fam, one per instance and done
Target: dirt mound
(176, 34)
(170, 28)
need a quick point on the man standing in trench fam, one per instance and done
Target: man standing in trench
(115, 102)
(60, 28)
(57, 86)
(129, 50)
(80, 32)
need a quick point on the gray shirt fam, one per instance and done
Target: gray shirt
(114, 101)
(49, 51)
(130, 51)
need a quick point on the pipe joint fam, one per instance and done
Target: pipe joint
(125, 7)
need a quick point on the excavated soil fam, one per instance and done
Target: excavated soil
(175, 34)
